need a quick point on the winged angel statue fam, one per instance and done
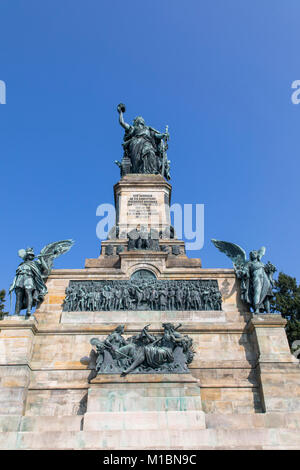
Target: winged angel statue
(29, 282)
(256, 277)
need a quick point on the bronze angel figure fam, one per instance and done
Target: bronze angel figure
(29, 282)
(256, 277)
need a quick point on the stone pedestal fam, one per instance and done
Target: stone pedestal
(278, 369)
(142, 227)
(142, 200)
(144, 402)
(16, 346)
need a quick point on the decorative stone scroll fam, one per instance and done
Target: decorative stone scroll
(144, 353)
(142, 294)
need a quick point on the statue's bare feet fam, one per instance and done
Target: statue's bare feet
(124, 373)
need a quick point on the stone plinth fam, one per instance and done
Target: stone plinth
(278, 370)
(271, 340)
(144, 402)
(16, 348)
(142, 200)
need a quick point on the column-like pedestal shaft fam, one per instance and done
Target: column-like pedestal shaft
(278, 369)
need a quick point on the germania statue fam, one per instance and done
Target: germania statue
(256, 277)
(144, 148)
(31, 274)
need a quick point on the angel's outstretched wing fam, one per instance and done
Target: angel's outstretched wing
(261, 252)
(53, 250)
(233, 251)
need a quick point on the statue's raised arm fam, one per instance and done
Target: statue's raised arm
(121, 109)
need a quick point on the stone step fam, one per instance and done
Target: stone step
(150, 420)
(251, 420)
(259, 438)
(51, 423)
(103, 421)
(9, 423)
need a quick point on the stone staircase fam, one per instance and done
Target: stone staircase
(233, 431)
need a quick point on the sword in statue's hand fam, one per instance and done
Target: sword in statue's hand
(166, 138)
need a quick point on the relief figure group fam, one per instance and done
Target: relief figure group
(142, 295)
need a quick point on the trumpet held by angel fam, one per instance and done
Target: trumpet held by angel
(255, 276)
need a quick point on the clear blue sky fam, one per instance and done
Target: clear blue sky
(219, 73)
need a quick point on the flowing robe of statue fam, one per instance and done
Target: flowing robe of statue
(140, 145)
(29, 276)
(156, 355)
(260, 287)
(147, 350)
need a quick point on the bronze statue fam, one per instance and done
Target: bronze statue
(144, 148)
(29, 282)
(256, 277)
(143, 353)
